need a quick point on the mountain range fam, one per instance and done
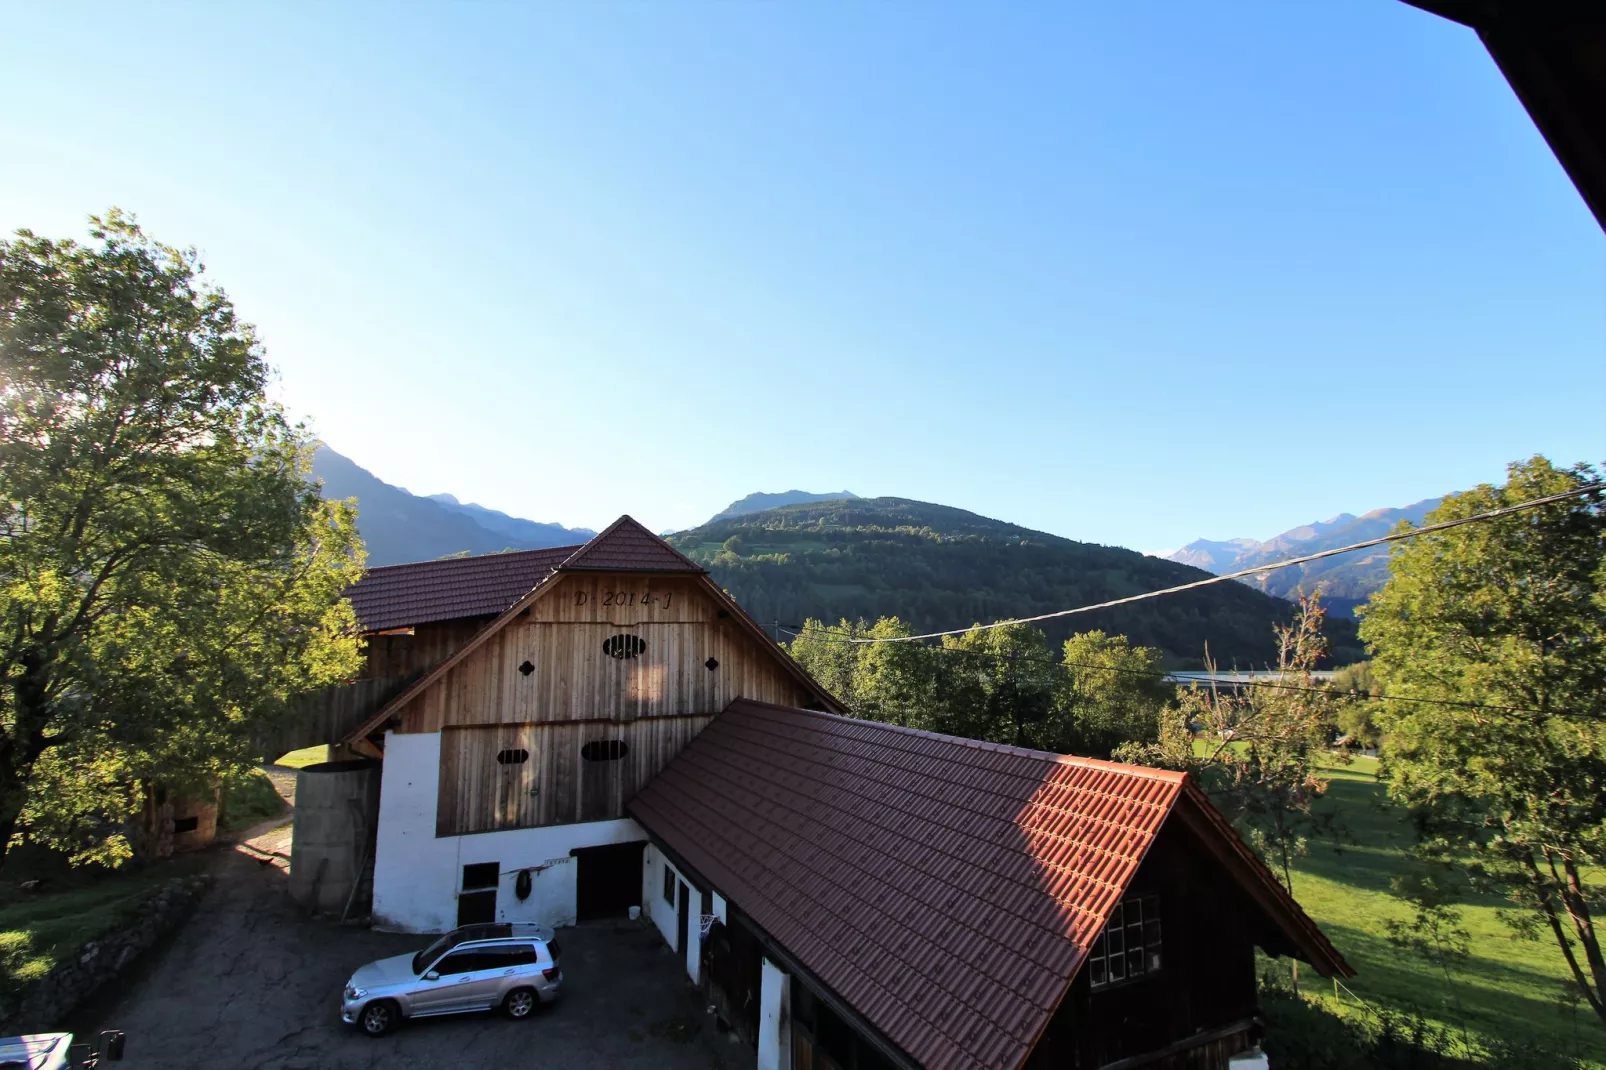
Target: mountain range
(797, 554)
(397, 525)
(1345, 580)
(938, 567)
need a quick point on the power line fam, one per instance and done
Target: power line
(1443, 525)
(1363, 696)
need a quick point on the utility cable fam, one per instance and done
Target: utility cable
(1443, 525)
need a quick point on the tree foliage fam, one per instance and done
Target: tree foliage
(1005, 685)
(1508, 613)
(168, 574)
(1259, 745)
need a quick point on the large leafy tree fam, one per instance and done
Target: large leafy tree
(1510, 613)
(1110, 693)
(168, 575)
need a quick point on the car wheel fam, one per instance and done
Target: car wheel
(521, 1003)
(379, 1017)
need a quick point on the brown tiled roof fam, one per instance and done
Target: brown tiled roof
(946, 889)
(400, 596)
(626, 546)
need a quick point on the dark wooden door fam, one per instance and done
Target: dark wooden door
(608, 882)
(476, 907)
(682, 918)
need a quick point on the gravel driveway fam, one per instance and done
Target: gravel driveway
(249, 981)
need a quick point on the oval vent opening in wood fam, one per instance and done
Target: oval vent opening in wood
(512, 756)
(624, 646)
(604, 750)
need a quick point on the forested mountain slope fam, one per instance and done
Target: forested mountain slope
(939, 567)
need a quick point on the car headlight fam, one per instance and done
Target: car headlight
(355, 993)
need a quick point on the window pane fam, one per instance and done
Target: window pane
(1134, 962)
(1151, 935)
(1116, 917)
(1117, 967)
(458, 962)
(1098, 975)
(518, 955)
(1113, 941)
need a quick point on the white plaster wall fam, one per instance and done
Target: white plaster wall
(417, 874)
(664, 914)
(774, 1018)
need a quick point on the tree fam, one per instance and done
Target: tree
(1358, 689)
(826, 655)
(1511, 613)
(1109, 693)
(997, 684)
(1258, 762)
(896, 682)
(168, 573)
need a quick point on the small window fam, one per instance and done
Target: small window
(512, 756)
(604, 750)
(185, 824)
(669, 885)
(1129, 947)
(481, 875)
(520, 955)
(624, 646)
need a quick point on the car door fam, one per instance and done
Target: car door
(493, 975)
(452, 987)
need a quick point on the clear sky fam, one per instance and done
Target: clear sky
(1133, 272)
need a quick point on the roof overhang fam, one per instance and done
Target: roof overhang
(1554, 57)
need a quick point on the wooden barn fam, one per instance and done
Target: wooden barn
(508, 764)
(596, 728)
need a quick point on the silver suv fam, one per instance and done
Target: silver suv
(475, 968)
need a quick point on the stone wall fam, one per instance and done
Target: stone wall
(50, 999)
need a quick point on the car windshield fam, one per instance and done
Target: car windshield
(422, 960)
(487, 931)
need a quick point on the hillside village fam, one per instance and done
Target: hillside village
(301, 769)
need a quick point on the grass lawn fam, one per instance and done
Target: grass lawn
(249, 800)
(72, 906)
(1508, 988)
(300, 759)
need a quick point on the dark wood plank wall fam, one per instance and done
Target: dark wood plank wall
(556, 784)
(426, 646)
(1209, 930)
(574, 692)
(326, 716)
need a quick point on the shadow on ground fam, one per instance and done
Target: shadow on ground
(250, 981)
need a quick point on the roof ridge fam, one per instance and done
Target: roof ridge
(571, 547)
(1048, 757)
(626, 522)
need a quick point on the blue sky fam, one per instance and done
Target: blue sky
(1133, 272)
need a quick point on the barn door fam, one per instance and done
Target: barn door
(489, 779)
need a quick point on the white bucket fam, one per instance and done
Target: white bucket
(635, 913)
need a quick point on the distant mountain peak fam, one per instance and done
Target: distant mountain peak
(398, 526)
(1346, 579)
(759, 501)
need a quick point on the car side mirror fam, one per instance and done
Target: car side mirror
(432, 975)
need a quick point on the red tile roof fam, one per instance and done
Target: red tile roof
(400, 596)
(626, 546)
(945, 888)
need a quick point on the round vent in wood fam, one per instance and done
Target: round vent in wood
(512, 756)
(624, 646)
(604, 750)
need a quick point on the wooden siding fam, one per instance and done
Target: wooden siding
(556, 785)
(326, 716)
(426, 646)
(571, 678)
(575, 692)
